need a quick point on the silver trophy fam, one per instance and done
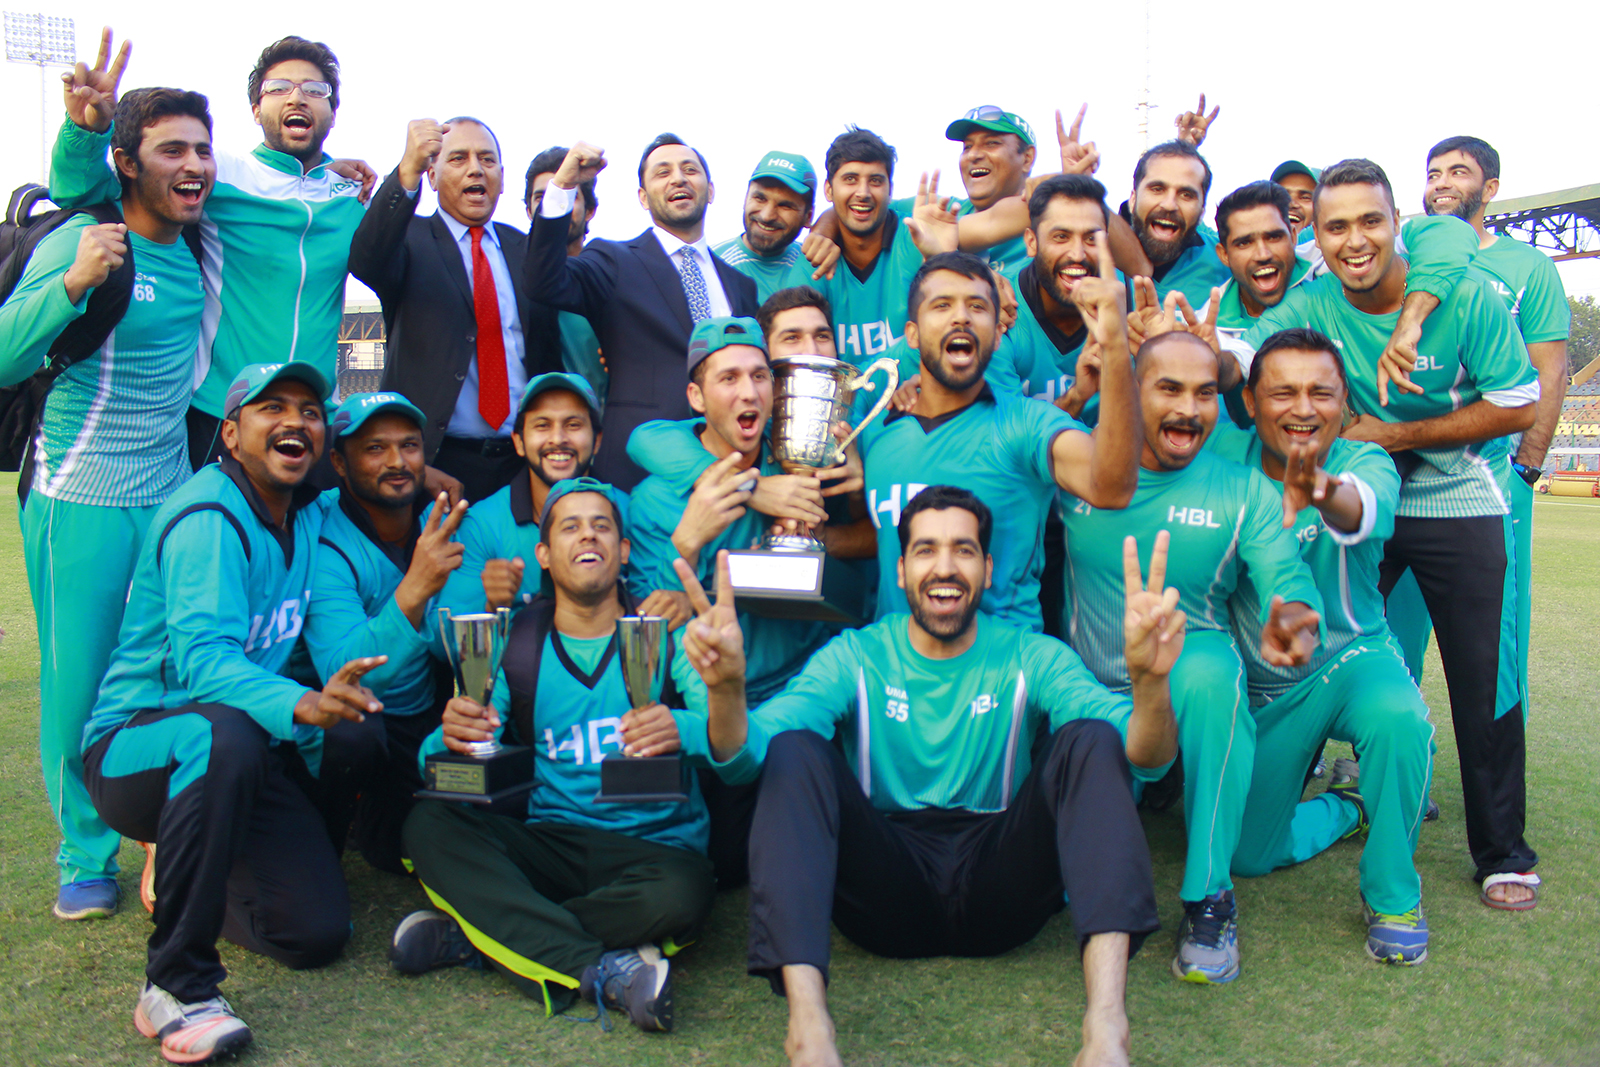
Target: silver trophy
(491, 773)
(643, 649)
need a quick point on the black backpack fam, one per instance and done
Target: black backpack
(20, 233)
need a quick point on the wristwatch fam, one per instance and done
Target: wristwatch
(1527, 473)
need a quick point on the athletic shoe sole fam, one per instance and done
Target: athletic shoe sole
(1396, 957)
(1201, 977)
(225, 1047)
(86, 913)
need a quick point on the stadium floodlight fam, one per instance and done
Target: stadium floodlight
(42, 41)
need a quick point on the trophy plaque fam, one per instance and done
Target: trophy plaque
(493, 775)
(789, 576)
(642, 649)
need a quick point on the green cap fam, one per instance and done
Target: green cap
(357, 408)
(1294, 166)
(585, 484)
(713, 335)
(572, 383)
(793, 170)
(257, 376)
(989, 117)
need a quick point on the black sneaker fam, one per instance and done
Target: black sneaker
(426, 940)
(1346, 785)
(638, 981)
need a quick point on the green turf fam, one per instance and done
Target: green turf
(1498, 988)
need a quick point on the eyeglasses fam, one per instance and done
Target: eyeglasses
(986, 113)
(283, 87)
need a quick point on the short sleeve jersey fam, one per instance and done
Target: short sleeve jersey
(770, 273)
(996, 447)
(869, 310)
(1527, 280)
(1225, 521)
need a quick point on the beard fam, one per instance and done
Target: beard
(1052, 284)
(949, 378)
(372, 493)
(1466, 206)
(581, 467)
(945, 628)
(1159, 249)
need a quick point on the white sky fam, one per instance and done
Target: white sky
(736, 80)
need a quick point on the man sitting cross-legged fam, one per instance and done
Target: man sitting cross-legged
(573, 898)
(933, 832)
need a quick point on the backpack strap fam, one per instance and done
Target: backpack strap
(524, 650)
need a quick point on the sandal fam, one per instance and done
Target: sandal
(1528, 879)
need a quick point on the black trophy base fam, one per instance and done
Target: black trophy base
(643, 779)
(809, 586)
(491, 781)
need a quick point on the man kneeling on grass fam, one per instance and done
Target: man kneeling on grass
(571, 898)
(932, 832)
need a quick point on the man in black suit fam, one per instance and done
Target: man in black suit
(642, 296)
(463, 337)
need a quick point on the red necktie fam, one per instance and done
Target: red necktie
(494, 392)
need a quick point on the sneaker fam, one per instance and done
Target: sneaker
(189, 1033)
(1346, 785)
(147, 880)
(92, 898)
(1401, 939)
(638, 981)
(426, 940)
(1208, 940)
(1432, 814)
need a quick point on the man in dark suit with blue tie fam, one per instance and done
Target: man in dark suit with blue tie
(463, 338)
(642, 296)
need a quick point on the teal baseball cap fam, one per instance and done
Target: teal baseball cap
(250, 382)
(1294, 166)
(990, 117)
(572, 383)
(357, 408)
(793, 170)
(714, 334)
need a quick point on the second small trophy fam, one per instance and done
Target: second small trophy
(642, 647)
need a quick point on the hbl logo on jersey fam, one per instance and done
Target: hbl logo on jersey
(891, 504)
(1193, 517)
(276, 626)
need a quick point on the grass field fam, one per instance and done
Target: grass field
(1498, 988)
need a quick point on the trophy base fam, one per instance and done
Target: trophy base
(511, 801)
(643, 780)
(804, 585)
(478, 779)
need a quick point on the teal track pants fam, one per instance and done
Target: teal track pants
(1217, 742)
(1408, 615)
(1363, 696)
(80, 559)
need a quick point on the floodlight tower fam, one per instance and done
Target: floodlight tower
(1144, 105)
(44, 41)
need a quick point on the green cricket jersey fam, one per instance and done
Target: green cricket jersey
(1530, 285)
(869, 309)
(1043, 359)
(1225, 522)
(934, 733)
(770, 273)
(1344, 565)
(1470, 350)
(275, 242)
(998, 447)
(113, 430)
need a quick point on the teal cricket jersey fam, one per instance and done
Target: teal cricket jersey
(775, 649)
(869, 309)
(354, 614)
(580, 352)
(997, 447)
(1530, 285)
(502, 526)
(935, 733)
(1344, 565)
(577, 720)
(1043, 360)
(1470, 350)
(1007, 256)
(1225, 522)
(113, 430)
(218, 600)
(770, 273)
(275, 242)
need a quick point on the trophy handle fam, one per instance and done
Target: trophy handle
(443, 617)
(891, 367)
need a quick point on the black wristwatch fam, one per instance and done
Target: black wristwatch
(1527, 473)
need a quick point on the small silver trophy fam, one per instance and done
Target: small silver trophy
(642, 648)
(474, 645)
(789, 575)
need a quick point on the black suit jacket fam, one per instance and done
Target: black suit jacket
(415, 267)
(631, 294)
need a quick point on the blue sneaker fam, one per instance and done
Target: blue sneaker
(427, 940)
(1208, 940)
(1400, 939)
(637, 981)
(92, 898)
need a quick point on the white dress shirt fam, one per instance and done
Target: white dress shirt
(465, 421)
(557, 203)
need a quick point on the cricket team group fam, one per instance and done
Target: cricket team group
(1169, 495)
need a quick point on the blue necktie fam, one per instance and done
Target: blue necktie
(694, 285)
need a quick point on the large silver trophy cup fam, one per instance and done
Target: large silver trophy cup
(644, 651)
(492, 773)
(789, 575)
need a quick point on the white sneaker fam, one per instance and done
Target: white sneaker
(189, 1033)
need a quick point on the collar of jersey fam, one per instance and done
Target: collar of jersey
(303, 494)
(288, 164)
(522, 500)
(1231, 314)
(891, 226)
(931, 423)
(362, 521)
(1028, 286)
(588, 680)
